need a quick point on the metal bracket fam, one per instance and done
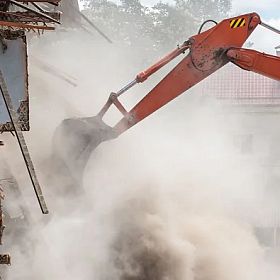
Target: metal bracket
(5, 259)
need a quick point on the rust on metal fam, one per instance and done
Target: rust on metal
(56, 2)
(25, 26)
(17, 17)
(28, 15)
(23, 118)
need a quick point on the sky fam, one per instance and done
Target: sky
(269, 10)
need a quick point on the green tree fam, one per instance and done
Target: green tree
(171, 25)
(153, 28)
(205, 9)
(127, 22)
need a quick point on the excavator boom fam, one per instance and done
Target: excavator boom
(208, 51)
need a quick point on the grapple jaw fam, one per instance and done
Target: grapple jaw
(76, 138)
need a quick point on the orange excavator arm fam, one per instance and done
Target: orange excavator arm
(251, 60)
(208, 52)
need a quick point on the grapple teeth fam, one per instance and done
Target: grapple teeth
(76, 138)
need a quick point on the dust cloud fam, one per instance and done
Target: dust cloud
(169, 199)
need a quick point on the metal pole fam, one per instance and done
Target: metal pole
(22, 144)
(270, 27)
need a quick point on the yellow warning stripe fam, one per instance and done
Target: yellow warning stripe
(232, 22)
(239, 22)
(242, 23)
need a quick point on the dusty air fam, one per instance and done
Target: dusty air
(139, 140)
